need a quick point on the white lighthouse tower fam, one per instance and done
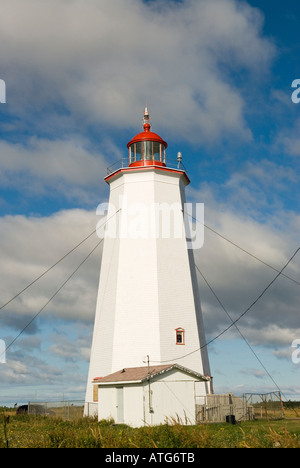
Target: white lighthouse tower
(148, 303)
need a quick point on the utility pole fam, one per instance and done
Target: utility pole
(149, 384)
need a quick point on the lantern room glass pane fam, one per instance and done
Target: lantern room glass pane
(156, 151)
(147, 150)
(139, 150)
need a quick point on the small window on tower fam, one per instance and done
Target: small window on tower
(179, 336)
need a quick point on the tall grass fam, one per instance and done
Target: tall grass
(44, 432)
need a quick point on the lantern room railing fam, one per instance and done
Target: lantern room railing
(123, 163)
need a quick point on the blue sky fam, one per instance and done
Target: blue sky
(217, 76)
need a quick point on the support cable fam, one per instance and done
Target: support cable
(61, 287)
(52, 297)
(55, 264)
(242, 315)
(244, 250)
(239, 331)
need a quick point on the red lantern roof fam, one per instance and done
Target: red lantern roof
(147, 135)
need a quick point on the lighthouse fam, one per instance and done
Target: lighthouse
(148, 310)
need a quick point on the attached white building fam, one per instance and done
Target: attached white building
(150, 395)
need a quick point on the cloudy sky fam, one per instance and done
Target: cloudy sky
(217, 76)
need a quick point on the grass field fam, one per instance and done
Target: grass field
(29, 431)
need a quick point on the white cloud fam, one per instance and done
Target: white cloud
(58, 167)
(29, 246)
(238, 278)
(71, 350)
(102, 61)
(275, 335)
(260, 183)
(259, 374)
(288, 139)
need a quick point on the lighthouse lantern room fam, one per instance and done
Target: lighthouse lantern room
(147, 148)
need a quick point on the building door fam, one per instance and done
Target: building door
(120, 405)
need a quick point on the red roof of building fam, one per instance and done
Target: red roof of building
(129, 374)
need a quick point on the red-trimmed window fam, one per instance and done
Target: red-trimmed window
(180, 339)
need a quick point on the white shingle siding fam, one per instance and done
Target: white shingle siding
(147, 288)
